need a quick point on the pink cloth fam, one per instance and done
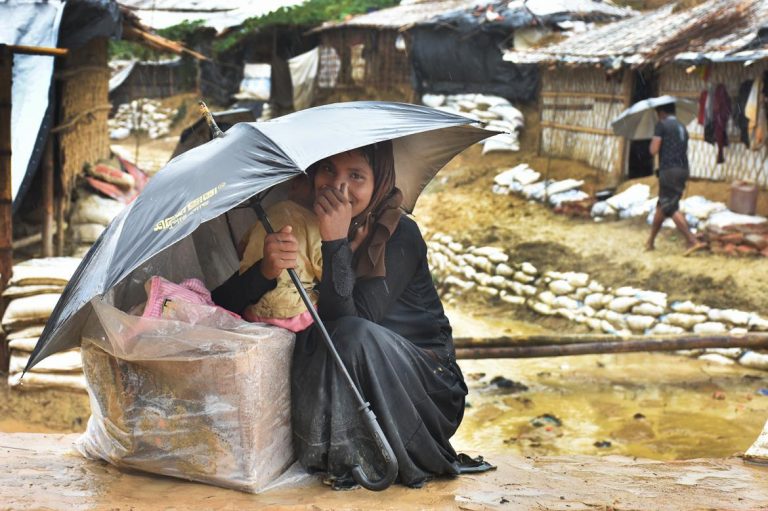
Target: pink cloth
(159, 290)
(294, 324)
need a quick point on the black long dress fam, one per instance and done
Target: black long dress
(395, 340)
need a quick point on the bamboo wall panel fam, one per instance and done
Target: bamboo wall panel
(740, 161)
(87, 139)
(577, 106)
(387, 69)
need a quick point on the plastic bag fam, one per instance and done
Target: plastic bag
(201, 396)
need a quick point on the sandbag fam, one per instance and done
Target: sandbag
(37, 381)
(24, 344)
(111, 175)
(65, 362)
(94, 209)
(87, 233)
(205, 399)
(29, 310)
(20, 291)
(44, 271)
(30, 331)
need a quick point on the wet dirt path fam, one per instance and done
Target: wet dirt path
(49, 476)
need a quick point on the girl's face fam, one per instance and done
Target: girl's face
(350, 168)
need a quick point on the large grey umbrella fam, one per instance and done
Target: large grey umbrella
(638, 121)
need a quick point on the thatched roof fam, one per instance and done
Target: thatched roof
(400, 16)
(219, 14)
(653, 38)
(492, 14)
(745, 44)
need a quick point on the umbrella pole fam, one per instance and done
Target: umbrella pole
(369, 418)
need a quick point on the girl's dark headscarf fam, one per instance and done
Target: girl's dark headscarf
(382, 214)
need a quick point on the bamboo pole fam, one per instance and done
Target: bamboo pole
(587, 345)
(6, 193)
(47, 168)
(580, 129)
(39, 50)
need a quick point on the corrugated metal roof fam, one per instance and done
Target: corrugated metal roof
(640, 39)
(219, 14)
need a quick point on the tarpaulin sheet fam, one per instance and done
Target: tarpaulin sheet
(29, 24)
(445, 63)
(303, 73)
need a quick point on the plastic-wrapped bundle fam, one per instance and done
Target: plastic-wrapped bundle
(199, 395)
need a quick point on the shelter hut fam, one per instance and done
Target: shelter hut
(368, 55)
(443, 47)
(591, 78)
(461, 51)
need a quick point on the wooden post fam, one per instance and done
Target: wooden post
(622, 155)
(617, 345)
(47, 169)
(6, 193)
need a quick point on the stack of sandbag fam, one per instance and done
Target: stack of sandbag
(525, 181)
(90, 216)
(495, 111)
(576, 296)
(141, 115)
(32, 293)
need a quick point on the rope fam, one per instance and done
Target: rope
(66, 126)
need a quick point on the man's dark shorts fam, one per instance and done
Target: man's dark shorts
(671, 187)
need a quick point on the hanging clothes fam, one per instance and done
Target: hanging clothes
(709, 115)
(701, 117)
(740, 118)
(721, 112)
(755, 112)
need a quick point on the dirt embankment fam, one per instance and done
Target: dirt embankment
(460, 203)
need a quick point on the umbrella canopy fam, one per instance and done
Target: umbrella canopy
(638, 121)
(188, 199)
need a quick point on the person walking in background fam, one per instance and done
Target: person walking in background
(670, 142)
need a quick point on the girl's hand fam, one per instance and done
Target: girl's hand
(281, 251)
(334, 212)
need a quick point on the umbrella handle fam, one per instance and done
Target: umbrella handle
(369, 418)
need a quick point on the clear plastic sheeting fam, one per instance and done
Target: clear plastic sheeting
(198, 395)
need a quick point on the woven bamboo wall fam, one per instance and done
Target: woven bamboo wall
(83, 108)
(387, 73)
(740, 161)
(577, 106)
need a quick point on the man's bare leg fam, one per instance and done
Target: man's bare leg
(685, 230)
(658, 219)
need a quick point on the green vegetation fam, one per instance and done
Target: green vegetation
(310, 13)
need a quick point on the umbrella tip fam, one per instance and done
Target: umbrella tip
(206, 113)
